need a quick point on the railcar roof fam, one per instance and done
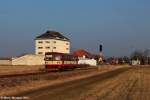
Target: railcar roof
(57, 53)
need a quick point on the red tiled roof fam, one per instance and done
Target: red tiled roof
(81, 53)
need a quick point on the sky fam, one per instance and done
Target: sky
(122, 26)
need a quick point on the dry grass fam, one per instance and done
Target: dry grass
(18, 69)
(132, 85)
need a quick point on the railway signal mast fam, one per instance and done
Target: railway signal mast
(101, 54)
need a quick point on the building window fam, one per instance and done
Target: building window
(57, 38)
(40, 53)
(54, 41)
(54, 47)
(47, 47)
(67, 43)
(67, 48)
(40, 42)
(47, 41)
(40, 47)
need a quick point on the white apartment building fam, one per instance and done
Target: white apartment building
(51, 41)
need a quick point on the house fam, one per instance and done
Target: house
(135, 62)
(51, 41)
(85, 57)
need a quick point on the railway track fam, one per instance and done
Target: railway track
(21, 74)
(41, 72)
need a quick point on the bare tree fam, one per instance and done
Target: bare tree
(142, 56)
(146, 53)
(136, 55)
(146, 56)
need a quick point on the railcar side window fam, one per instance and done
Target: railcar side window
(58, 57)
(49, 57)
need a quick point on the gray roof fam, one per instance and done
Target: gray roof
(52, 35)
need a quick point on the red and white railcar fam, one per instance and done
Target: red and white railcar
(54, 60)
